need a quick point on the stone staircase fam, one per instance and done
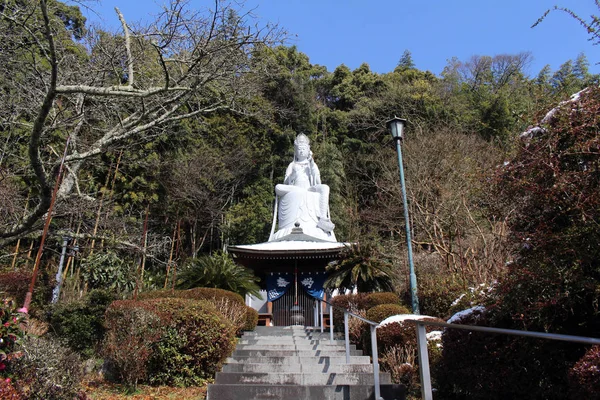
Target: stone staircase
(297, 363)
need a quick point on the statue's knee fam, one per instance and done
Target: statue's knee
(323, 189)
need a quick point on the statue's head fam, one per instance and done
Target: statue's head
(301, 147)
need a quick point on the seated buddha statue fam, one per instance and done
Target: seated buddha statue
(302, 201)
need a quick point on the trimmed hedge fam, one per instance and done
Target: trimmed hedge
(195, 293)
(251, 319)
(382, 311)
(167, 341)
(378, 298)
(230, 305)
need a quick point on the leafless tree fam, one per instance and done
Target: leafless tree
(104, 90)
(445, 178)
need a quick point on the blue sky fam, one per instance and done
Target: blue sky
(350, 32)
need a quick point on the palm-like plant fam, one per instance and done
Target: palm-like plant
(218, 271)
(359, 268)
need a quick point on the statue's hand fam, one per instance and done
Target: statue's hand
(294, 173)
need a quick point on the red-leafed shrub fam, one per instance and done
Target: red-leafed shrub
(351, 302)
(549, 195)
(131, 331)
(8, 391)
(584, 377)
(15, 284)
(550, 192)
(382, 311)
(377, 298)
(478, 365)
(400, 334)
(169, 341)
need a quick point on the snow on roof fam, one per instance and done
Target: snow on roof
(401, 318)
(293, 245)
(461, 314)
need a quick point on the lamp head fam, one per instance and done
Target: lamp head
(396, 127)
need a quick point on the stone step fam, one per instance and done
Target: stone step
(322, 360)
(293, 346)
(274, 332)
(288, 378)
(287, 341)
(297, 363)
(323, 336)
(295, 353)
(300, 392)
(297, 368)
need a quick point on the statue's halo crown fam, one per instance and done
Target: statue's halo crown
(301, 139)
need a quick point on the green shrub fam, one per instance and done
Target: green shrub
(46, 370)
(108, 269)
(202, 335)
(171, 341)
(437, 293)
(382, 311)
(218, 271)
(377, 298)
(251, 319)
(81, 324)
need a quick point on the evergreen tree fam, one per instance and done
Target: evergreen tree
(406, 62)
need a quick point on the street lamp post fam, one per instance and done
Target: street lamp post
(396, 128)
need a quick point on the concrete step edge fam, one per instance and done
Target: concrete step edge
(299, 392)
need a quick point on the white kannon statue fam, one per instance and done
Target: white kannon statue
(302, 201)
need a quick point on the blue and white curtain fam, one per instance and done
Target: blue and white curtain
(312, 283)
(279, 282)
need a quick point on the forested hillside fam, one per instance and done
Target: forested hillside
(175, 133)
